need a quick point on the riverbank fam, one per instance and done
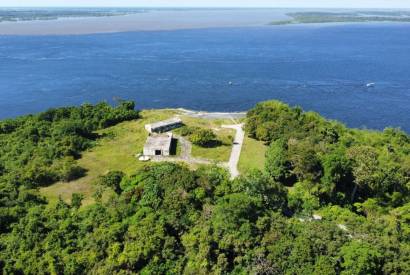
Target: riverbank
(212, 115)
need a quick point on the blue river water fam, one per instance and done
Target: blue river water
(324, 68)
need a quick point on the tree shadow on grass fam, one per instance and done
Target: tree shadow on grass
(213, 144)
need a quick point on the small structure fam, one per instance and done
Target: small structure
(317, 217)
(144, 158)
(158, 145)
(164, 126)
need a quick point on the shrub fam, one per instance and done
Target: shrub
(188, 130)
(112, 180)
(202, 137)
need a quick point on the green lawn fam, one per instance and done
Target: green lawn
(219, 153)
(117, 150)
(252, 155)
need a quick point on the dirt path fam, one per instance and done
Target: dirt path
(186, 147)
(180, 159)
(185, 156)
(236, 149)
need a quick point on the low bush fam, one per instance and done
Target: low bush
(203, 137)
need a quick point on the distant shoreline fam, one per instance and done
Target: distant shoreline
(82, 21)
(402, 16)
(156, 20)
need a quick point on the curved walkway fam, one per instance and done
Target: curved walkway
(236, 149)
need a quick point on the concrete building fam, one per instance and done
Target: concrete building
(164, 126)
(158, 145)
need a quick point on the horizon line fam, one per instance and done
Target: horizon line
(212, 7)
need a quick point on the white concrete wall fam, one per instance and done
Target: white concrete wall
(148, 128)
(148, 152)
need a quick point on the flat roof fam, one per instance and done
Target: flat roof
(165, 123)
(158, 142)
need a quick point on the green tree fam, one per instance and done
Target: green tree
(277, 164)
(112, 180)
(272, 194)
(76, 200)
(203, 137)
(365, 168)
(306, 164)
(360, 258)
(337, 175)
(325, 265)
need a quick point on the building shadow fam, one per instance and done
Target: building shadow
(174, 145)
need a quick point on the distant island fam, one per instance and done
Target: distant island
(289, 16)
(27, 14)
(56, 21)
(345, 17)
(61, 21)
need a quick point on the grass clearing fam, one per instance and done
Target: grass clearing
(220, 153)
(116, 151)
(252, 155)
(205, 123)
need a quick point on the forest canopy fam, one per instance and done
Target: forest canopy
(330, 200)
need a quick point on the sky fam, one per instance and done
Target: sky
(214, 3)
